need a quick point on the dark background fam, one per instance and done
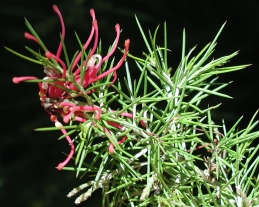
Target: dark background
(28, 158)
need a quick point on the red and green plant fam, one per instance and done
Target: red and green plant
(144, 151)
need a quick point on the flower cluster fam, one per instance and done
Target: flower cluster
(63, 83)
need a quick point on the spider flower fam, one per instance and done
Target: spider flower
(64, 82)
(60, 83)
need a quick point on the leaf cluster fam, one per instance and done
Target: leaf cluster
(160, 163)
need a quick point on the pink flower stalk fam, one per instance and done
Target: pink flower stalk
(56, 92)
(59, 90)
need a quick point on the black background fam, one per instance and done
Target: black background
(28, 158)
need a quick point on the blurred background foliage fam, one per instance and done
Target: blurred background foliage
(28, 158)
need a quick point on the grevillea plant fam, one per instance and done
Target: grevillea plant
(142, 139)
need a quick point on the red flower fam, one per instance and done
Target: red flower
(60, 89)
(62, 84)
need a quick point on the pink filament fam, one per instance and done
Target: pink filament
(64, 67)
(58, 124)
(126, 45)
(117, 29)
(73, 108)
(84, 47)
(55, 8)
(30, 37)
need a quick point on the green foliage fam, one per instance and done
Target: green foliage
(160, 164)
(158, 131)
